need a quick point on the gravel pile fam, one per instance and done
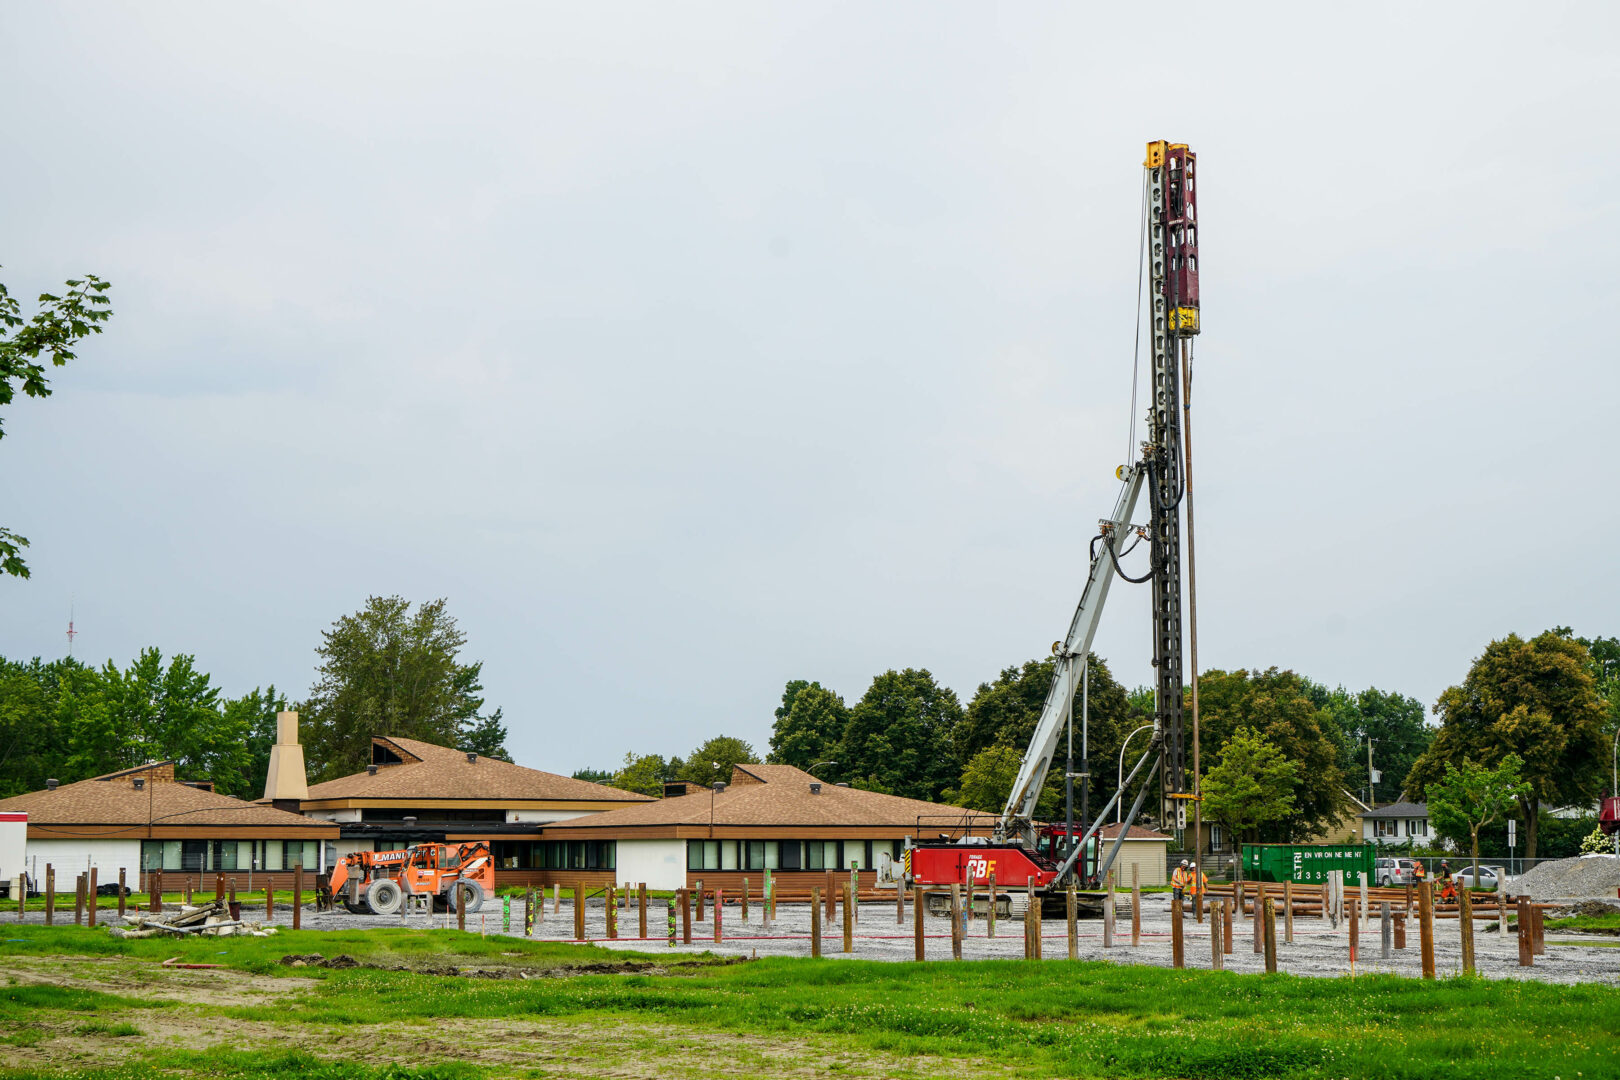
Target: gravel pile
(1565, 879)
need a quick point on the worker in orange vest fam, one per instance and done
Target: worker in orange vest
(1179, 879)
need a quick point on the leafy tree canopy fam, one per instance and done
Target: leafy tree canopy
(713, 760)
(987, 780)
(1469, 797)
(1536, 699)
(387, 670)
(1252, 786)
(808, 726)
(901, 737)
(1278, 706)
(1393, 721)
(643, 773)
(51, 333)
(593, 776)
(1004, 713)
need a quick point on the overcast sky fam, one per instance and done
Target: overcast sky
(688, 349)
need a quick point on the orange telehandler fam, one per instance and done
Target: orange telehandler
(377, 882)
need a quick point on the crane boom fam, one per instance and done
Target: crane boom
(1019, 815)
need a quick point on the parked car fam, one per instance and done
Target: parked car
(1394, 871)
(1490, 877)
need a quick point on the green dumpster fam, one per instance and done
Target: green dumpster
(1307, 863)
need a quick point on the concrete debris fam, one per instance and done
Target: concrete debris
(1589, 876)
(208, 920)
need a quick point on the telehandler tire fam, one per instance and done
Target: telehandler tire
(384, 896)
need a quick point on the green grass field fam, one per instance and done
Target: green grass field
(78, 1002)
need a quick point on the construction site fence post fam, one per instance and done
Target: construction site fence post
(1501, 915)
(50, 895)
(1037, 943)
(1288, 912)
(154, 880)
(1353, 914)
(745, 900)
(641, 908)
(1226, 924)
(698, 914)
(78, 901)
(1071, 905)
(1400, 930)
(832, 896)
(849, 917)
(917, 923)
(298, 896)
(1271, 936)
(1385, 931)
(1108, 912)
(900, 903)
(1465, 926)
(24, 882)
(123, 889)
(1178, 958)
(91, 898)
(269, 897)
(1426, 929)
(579, 911)
(956, 920)
(1527, 956)
(1217, 923)
(1538, 930)
(1255, 921)
(815, 922)
(1136, 906)
(990, 912)
(612, 913)
(719, 906)
(686, 916)
(853, 897)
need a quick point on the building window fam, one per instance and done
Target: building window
(220, 856)
(1214, 837)
(791, 850)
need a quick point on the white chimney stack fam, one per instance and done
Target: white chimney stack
(286, 778)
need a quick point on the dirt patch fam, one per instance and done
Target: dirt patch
(151, 981)
(344, 961)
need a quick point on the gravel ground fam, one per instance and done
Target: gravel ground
(1318, 948)
(1590, 877)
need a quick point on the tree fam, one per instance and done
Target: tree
(901, 736)
(644, 774)
(1005, 712)
(987, 780)
(55, 330)
(386, 670)
(255, 713)
(712, 761)
(808, 726)
(592, 776)
(1469, 797)
(1394, 722)
(1278, 706)
(1252, 786)
(1536, 699)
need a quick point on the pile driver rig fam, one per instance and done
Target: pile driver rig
(1021, 852)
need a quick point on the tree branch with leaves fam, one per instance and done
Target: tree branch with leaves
(1469, 797)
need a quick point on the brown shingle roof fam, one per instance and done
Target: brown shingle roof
(1111, 832)
(783, 797)
(114, 800)
(440, 772)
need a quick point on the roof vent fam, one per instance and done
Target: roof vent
(719, 786)
(472, 757)
(841, 783)
(50, 785)
(410, 822)
(140, 782)
(815, 789)
(371, 770)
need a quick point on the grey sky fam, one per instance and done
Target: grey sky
(690, 349)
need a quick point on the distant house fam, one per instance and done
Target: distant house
(1398, 823)
(145, 819)
(1144, 849)
(770, 817)
(1340, 829)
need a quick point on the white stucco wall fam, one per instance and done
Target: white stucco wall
(13, 846)
(544, 816)
(660, 863)
(70, 858)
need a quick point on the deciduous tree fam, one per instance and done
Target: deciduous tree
(713, 760)
(643, 773)
(808, 725)
(388, 670)
(1253, 784)
(51, 333)
(901, 736)
(1536, 699)
(1469, 797)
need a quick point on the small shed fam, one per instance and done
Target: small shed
(1144, 849)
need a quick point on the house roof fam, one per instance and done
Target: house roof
(1402, 809)
(115, 800)
(1111, 832)
(780, 795)
(429, 771)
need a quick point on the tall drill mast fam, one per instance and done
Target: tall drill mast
(1173, 262)
(1173, 259)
